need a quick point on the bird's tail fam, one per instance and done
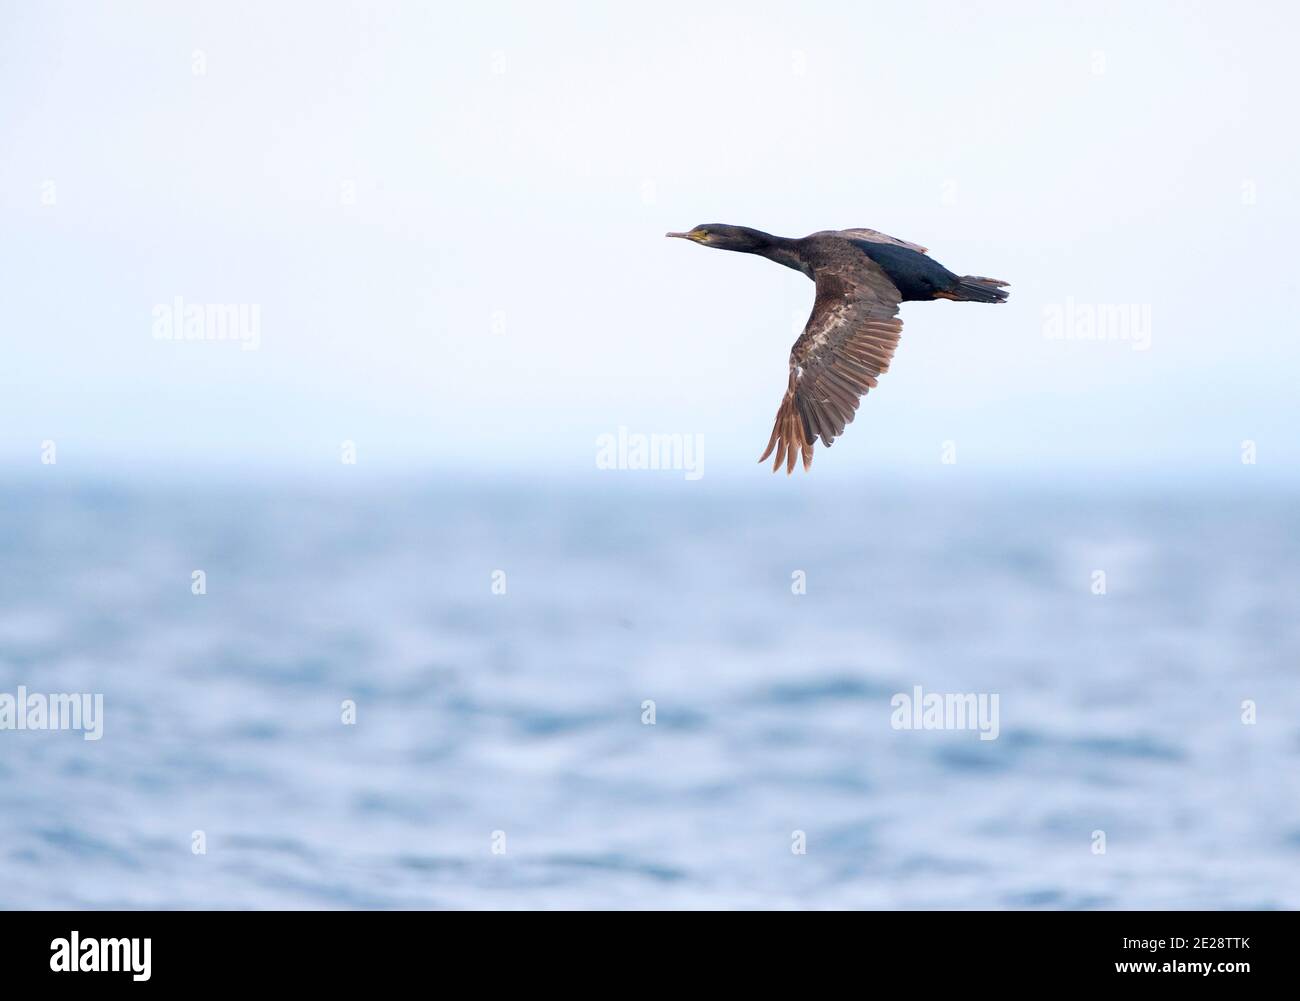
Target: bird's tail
(973, 288)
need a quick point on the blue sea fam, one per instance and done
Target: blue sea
(619, 698)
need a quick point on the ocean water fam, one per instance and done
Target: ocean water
(501, 756)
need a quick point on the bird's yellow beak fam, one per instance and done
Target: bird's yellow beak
(694, 234)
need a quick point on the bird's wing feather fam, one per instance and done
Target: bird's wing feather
(874, 236)
(848, 341)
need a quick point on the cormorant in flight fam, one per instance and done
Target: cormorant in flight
(861, 277)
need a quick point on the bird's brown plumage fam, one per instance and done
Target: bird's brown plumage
(848, 341)
(873, 236)
(862, 275)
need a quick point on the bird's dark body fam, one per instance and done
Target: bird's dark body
(916, 276)
(862, 276)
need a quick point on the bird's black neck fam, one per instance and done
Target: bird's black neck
(780, 249)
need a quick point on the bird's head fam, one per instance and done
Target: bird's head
(724, 237)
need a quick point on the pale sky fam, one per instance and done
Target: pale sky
(451, 219)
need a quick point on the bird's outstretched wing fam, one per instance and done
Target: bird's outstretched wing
(873, 236)
(848, 341)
